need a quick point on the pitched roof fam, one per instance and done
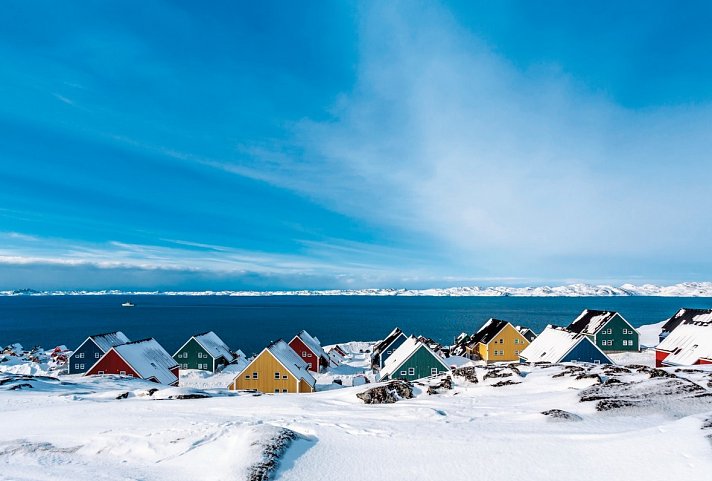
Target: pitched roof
(528, 334)
(689, 342)
(148, 358)
(687, 314)
(590, 321)
(381, 346)
(290, 360)
(214, 345)
(403, 353)
(313, 344)
(552, 345)
(488, 331)
(109, 339)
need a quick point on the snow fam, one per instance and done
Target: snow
(214, 345)
(148, 358)
(75, 428)
(685, 289)
(650, 334)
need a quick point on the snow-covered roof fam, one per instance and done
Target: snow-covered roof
(403, 353)
(552, 345)
(290, 360)
(214, 345)
(488, 331)
(313, 344)
(687, 314)
(382, 345)
(590, 321)
(110, 339)
(148, 358)
(688, 342)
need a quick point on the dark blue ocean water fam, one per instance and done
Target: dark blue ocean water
(249, 323)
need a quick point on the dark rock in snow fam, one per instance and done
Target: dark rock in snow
(496, 373)
(123, 395)
(387, 394)
(190, 396)
(563, 415)
(661, 373)
(507, 382)
(445, 383)
(23, 385)
(469, 373)
(273, 450)
(152, 391)
(589, 376)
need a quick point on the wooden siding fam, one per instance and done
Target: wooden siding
(266, 365)
(88, 352)
(307, 355)
(187, 357)
(112, 363)
(504, 342)
(614, 341)
(418, 366)
(660, 357)
(400, 339)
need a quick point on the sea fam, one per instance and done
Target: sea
(250, 323)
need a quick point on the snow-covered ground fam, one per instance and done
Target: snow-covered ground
(637, 423)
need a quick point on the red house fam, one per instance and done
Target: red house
(688, 344)
(310, 350)
(144, 359)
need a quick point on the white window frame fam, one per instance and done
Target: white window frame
(255, 375)
(97, 355)
(404, 373)
(433, 371)
(277, 375)
(411, 371)
(81, 366)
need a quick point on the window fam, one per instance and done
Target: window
(101, 373)
(276, 391)
(404, 373)
(284, 391)
(185, 366)
(122, 373)
(97, 355)
(81, 366)
(433, 371)
(76, 366)
(254, 375)
(411, 371)
(388, 352)
(200, 355)
(304, 353)
(516, 340)
(309, 354)
(80, 355)
(276, 375)
(185, 354)
(284, 376)
(501, 341)
(247, 376)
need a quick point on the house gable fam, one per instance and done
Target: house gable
(84, 357)
(617, 334)
(312, 359)
(267, 367)
(585, 351)
(390, 348)
(112, 363)
(421, 363)
(194, 356)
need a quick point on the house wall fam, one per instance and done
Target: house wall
(84, 357)
(421, 363)
(187, 357)
(305, 353)
(509, 341)
(390, 349)
(660, 357)
(585, 352)
(266, 365)
(112, 363)
(617, 325)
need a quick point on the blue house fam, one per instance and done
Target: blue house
(557, 344)
(384, 349)
(91, 350)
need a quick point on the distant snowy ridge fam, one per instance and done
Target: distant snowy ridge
(685, 289)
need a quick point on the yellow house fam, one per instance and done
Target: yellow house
(277, 369)
(498, 341)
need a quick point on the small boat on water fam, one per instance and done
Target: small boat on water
(128, 304)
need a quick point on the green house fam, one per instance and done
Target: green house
(607, 329)
(413, 360)
(204, 351)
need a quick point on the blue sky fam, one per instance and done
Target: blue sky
(172, 145)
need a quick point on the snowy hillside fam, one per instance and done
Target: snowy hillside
(686, 289)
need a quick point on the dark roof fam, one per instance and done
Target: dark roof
(528, 334)
(487, 332)
(387, 341)
(590, 321)
(683, 315)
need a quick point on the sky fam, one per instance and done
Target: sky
(275, 145)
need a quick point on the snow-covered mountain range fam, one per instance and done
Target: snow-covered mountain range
(685, 289)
